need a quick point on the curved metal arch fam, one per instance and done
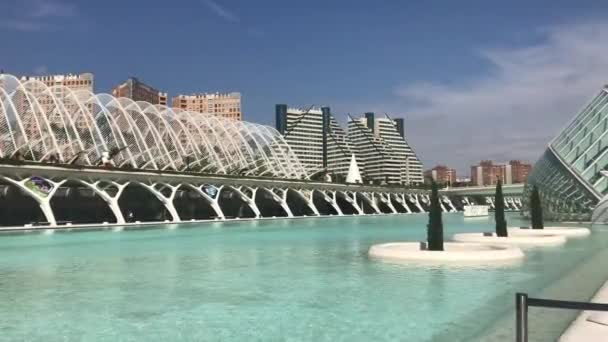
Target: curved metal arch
(136, 144)
(174, 149)
(215, 125)
(238, 127)
(69, 122)
(82, 112)
(12, 132)
(251, 128)
(38, 115)
(185, 117)
(66, 126)
(163, 153)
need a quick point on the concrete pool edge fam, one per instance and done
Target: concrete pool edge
(455, 253)
(568, 232)
(545, 240)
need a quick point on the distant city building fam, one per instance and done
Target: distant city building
(136, 90)
(441, 174)
(488, 173)
(316, 138)
(84, 81)
(225, 105)
(382, 150)
(60, 86)
(519, 171)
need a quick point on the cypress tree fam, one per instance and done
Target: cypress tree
(435, 226)
(536, 209)
(499, 211)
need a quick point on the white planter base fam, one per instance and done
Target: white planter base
(569, 232)
(541, 240)
(459, 253)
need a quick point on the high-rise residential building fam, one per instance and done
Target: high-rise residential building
(85, 81)
(441, 174)
(225, 105)
(382, 150)
(519, 171)
(571, 174)
(487, 173)
(316, 138)
(137, 90)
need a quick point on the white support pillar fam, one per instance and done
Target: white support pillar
(372, 201)
(404, 203)
(213, 202)
(465, 199)
(417, 203)
(282, 200)
(447, 200)
(333, 200)
(111, 201)
(309, 200)
(167, 201)
(43, 200)
(250, 201)
(388, 202)
(353, 202)
(490, 201)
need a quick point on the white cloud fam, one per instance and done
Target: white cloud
(222, 12)
(512, 112)
(37, 15)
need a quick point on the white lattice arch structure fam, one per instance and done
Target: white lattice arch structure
(39, 122)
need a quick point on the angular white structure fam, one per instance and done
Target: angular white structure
(354, 176)
(41, 123)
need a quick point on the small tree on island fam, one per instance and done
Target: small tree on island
(499, 211)
(536, 209)
(435, 226)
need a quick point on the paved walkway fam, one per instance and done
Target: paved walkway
(582, 329)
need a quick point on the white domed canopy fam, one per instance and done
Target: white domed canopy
(40, 122)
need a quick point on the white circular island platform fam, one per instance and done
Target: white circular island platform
(569, 232)
(540, 240)
(465, 253)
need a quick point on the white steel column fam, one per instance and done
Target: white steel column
(387, 200)
(307, 195)
(112, 201)
(283, 201)
(333, 201)
(353, 202)
(417, 203)
(44, 201)
(447, 200)
(250, 201)
(404, 203)
(167, 201)
(213, 202)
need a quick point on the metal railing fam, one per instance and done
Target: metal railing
(522, 302)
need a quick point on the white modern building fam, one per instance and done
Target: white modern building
(316, 138)
(382, 150)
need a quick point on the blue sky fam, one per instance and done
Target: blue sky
(474, 79)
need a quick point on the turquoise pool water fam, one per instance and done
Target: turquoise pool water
(280, 280)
